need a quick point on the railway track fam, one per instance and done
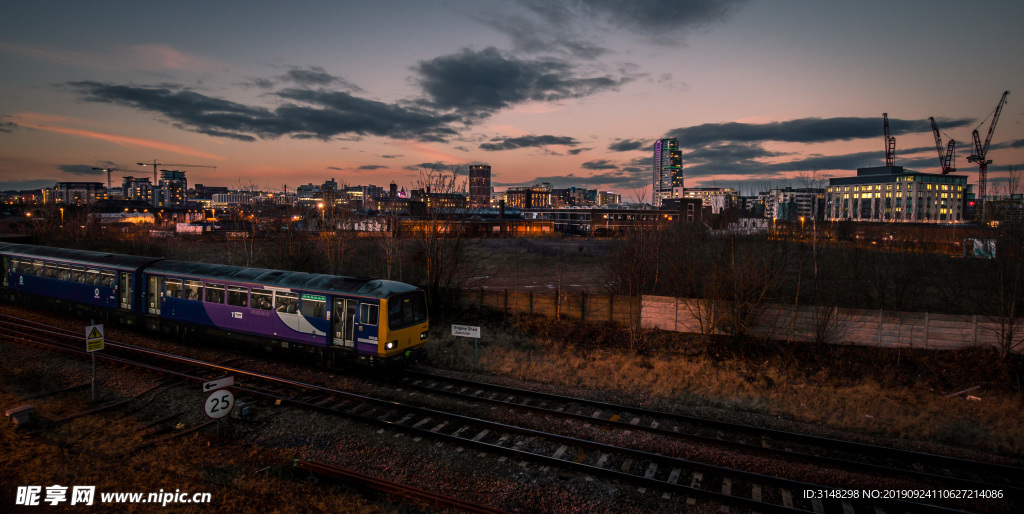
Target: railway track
(677, 481)
(930, 470)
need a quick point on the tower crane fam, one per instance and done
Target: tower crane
(156, 164)
(109, 171)
(981, 151)
(946, 160)
(890, 142)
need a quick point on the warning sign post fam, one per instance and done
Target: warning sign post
(93, 344)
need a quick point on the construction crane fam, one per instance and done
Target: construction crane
(109, 171)
(946, 160)
(156, 164)
(981, 151)
(890, 142)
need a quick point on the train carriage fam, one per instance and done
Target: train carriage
(104, 281)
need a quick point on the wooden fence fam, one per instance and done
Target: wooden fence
(805, 323)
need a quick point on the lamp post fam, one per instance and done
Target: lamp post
(61, 217)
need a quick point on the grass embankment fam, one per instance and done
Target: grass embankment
(894, 393)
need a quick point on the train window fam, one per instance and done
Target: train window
(286, 302)
(64, 272)
(406, 309)
(37, 268)
(193, 290)
(238, 296)
(15, 265)
(106, 279)
(25, 267)
(92, 277)
(314, 306)
(368, 314)
(262, 299)
(173, 287)
(78, 275)
(50, 271)
(215, 293)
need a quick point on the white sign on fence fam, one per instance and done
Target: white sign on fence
(466, 331)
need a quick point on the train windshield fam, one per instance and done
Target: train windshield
(407, 309)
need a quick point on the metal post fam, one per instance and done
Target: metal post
(95, 386)
(476, 351)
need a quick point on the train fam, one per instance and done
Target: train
(366, 321)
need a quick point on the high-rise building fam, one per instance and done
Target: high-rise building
(668, 170)
(479, 186)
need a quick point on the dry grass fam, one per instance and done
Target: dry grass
(199, 462)
(884, 392)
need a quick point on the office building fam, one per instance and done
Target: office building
(890, 193)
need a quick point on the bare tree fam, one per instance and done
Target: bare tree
(438, 239)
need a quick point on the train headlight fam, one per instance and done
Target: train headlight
(390, 345)
(423, 335)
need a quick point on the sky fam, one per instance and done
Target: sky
(570, 92)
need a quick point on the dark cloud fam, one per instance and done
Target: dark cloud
(79, 169)
(511, 143)
(601, 164)
(336, 168)
(427, 166)
(627, 145)
(532, 36)
(670, 19)
(390, 156)
(804, 130)
(6, 126)
(27, 185)
(660, 21)
(577, 151)
(310, 114)
(371, 167)
(316, 76)
(476, 84)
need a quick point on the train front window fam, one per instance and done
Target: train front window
(407, 309)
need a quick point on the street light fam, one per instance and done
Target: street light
(61, 217)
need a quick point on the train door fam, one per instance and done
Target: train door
(343, 322)
(124, 288)
(3, 272)
(154, 287)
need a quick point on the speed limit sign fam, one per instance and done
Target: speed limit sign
(219, 404)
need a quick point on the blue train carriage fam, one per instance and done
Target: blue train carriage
(337, 318)
(102, 284)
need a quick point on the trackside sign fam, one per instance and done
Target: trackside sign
(466, 331)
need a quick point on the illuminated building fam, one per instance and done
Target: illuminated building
(889, 193)
(668, 170)
(479, 186)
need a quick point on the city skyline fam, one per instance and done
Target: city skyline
(569, 93)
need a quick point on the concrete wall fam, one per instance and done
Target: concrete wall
(841, 326)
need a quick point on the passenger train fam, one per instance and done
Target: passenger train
(380, 323)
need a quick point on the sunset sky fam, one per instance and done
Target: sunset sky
(573, 93)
